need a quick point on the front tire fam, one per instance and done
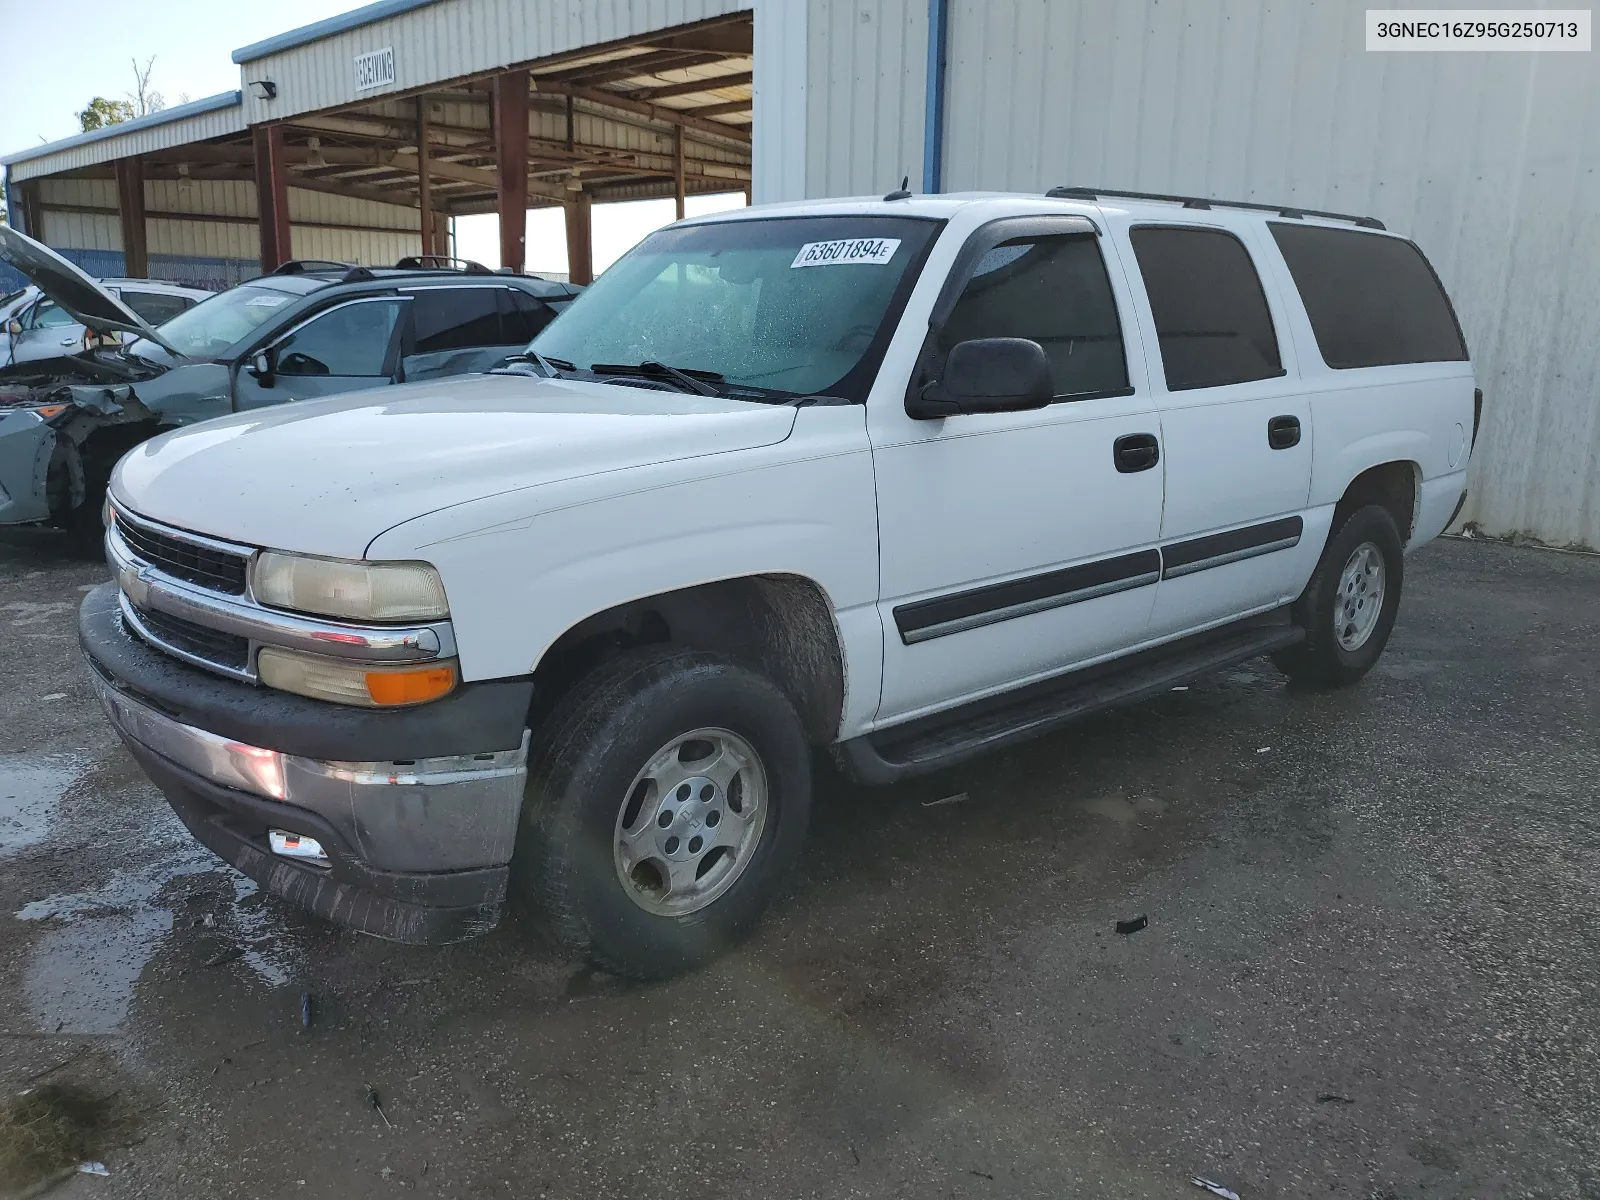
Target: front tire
(668, 795)
(1349, 607)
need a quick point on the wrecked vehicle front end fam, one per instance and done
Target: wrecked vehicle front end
(63, 424)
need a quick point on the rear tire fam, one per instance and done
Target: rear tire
(668, 796)
(1348, 609)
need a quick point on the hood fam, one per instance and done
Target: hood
(328, 476)
(88, 303)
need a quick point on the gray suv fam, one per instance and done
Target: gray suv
(309, 329)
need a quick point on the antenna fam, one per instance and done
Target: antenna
(901, 193)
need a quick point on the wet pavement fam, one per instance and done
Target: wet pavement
(1370, 968)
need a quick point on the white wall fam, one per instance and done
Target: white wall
(1491, 161)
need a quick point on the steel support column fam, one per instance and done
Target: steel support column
(677, 168)
(272, 196)
(430, 243)
(580, 253)
(129, 173)
(511, 154)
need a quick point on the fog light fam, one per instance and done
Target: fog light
(294, 845)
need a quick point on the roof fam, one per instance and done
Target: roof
(944, 205)
(165, 117)
(318, 30)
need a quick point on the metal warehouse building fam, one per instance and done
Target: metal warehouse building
(357, 138)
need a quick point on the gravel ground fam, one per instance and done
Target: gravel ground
(1372, 965)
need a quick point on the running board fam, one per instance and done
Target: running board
(944, 739)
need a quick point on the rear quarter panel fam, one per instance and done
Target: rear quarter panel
(1417, 413)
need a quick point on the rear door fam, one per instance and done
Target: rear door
(456, 330)
(351, 346)
(1236, 423)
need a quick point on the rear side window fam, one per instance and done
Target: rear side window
(1373, 301)
(1054, 291)
(154, 307)
(457, 319)
(1210, 312)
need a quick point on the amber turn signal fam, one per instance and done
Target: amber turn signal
(410, 686)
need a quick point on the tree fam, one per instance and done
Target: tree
(145, 99)
(102, 112)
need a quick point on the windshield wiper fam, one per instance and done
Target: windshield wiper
(552, 367)
(690, 380)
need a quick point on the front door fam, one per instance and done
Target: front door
(48, 331)
(346, 348)
(1236, 423)
(1016, 545)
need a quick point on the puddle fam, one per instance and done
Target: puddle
(31, 788)
(83, 970)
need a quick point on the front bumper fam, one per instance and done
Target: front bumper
(418, 848)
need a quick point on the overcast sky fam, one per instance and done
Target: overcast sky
(57, 56)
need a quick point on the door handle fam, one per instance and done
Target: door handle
(1135, 452)
(1283, 432)
(69, 341)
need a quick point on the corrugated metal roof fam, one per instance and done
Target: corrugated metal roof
(128, 129)
(454, 39)
(318, 30)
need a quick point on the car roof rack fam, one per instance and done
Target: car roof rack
(302, 266)
(441, 262)
(1283, 210)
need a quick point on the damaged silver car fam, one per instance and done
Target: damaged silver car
(307, 330)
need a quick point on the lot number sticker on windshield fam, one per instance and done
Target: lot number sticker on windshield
(850, 250)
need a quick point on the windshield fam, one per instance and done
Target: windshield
(794, 305)
(213, 325)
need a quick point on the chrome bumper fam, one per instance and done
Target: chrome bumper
(427, 815)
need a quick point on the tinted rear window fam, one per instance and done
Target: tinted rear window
(457, 319)
(1373, 301)
(1211, 315)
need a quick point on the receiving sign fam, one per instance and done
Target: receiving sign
(849, 250)
(375, 70)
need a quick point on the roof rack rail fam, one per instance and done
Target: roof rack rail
(299, 266)
(1283, 210)
(441, 262)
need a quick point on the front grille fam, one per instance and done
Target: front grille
(223, 649)
(216, 569)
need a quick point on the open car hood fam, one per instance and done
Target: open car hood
(85, 300)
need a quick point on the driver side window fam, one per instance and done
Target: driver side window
(1054, 291)
(48, 315)
(350, 340)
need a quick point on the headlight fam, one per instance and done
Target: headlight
(358, 591)
(367, 684)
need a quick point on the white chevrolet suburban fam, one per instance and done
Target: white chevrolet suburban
(908, 478)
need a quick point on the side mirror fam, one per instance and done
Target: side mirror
(986, 375)
(261, 366)
(13, 327)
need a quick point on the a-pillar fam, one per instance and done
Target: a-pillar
(129, 174)
(580, 253)
(511, 155)
(272, 196)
